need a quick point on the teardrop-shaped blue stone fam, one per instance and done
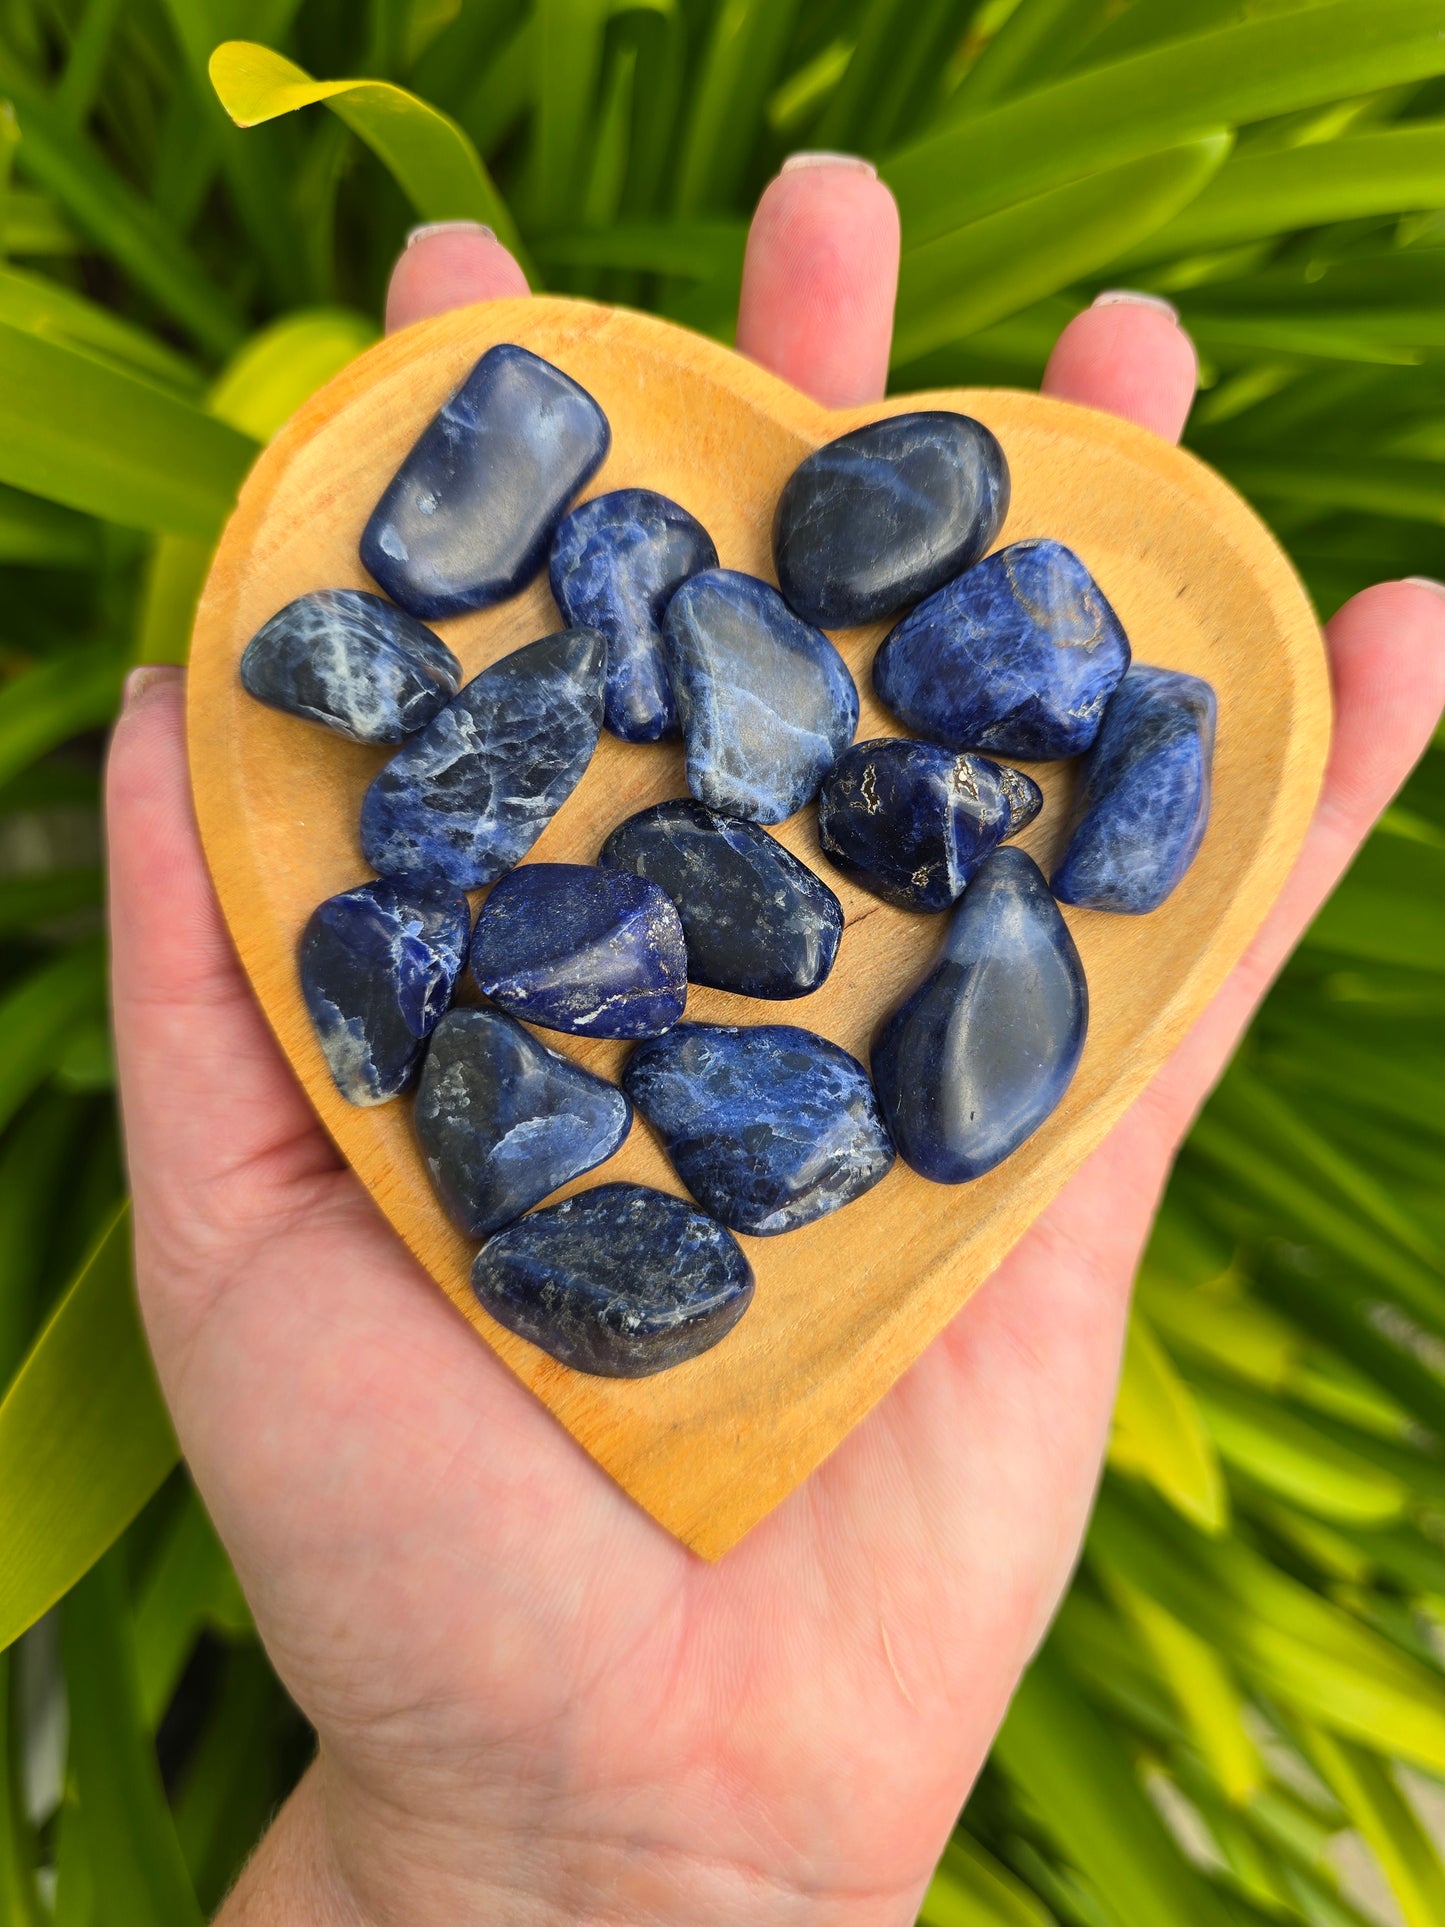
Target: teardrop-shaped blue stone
(973, 1061)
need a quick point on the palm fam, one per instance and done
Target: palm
(490, 1638)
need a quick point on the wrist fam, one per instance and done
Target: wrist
(328, 1861)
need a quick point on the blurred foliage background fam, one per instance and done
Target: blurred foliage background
(1240, 1715)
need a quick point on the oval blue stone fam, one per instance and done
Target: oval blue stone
(620, 1281)
(616, 563)
(887, 513)
(767, 703)
(468, 517)
(769, 1126)
(503, 1121)
(912, 822)
(1142, 805)
(757, 921)
(1018, 656)
(469, 797)
(971, 1064)
(350, 660)
(599, 953)
(378, 967)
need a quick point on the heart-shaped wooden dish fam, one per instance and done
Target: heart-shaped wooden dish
(843, 1306)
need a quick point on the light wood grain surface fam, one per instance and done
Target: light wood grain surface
(845, 1305)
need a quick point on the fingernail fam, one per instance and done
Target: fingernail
(429, 228)
(1427, 582)
(819, 157)
(1131, 297)
(147, 677)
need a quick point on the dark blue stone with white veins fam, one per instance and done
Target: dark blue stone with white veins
(887, 513)
(378, 967)
(972, 1063)
(620, 1281)
(1017, 656)
(503, 1121)
(769, 1126)
(599, 953)
(469, 797)
(468, 518)
(616, 563)
(766, 701)
(1142, 805)
(757, 921)
(351, 660)
(912, 822)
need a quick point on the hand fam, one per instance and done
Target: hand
(533, 1705)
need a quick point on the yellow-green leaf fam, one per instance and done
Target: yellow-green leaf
(1159, 1435)
(1291, 1457)
(971, 1889)
(1404, 1850)
(84, 1438)
(434, 162)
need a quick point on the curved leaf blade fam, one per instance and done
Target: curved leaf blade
(433, 161)
(84, 1438)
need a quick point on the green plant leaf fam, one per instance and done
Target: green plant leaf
(1159, 1435)
(1010, 56)
(19, 1898)
(38, 1014)
(971, 1889)
(1372, 1800)
(84, 1438)
(41, 707)
(232, 1782)
(114, 217)
(29, 900)
(43, 535)
(130, 1838)
(739, 70)
(1069, 1767)
(979, 273)
(702, 250)
(1257, 196)
(93, 438)
(433, 161)
(1172, 94)
(1294, 1459)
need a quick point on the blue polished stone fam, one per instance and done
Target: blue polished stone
(971, 1064)
(620, 1281)
(378, 967)
(350, 660)
(769, 1126)
(503, 1121)
(469, 516)
(757, 921)
(912, 822)
(470, 796)
(1018, 656)
(766, 702)
(616, 563)
(1143, 799)
(599, 953)
(888, 513)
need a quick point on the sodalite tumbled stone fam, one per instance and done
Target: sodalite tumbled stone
(756, 920)
(502, 1120)
(971, 1064)
(621, 1281)
(1018, 656)
(616, 563)
(888, 513)
(468, 517)
(1143, 799)
(912, 822)
(378, 967)
(599, 953)
(769, 1126)
(350, 660)
(766, 701)
(470, 796)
